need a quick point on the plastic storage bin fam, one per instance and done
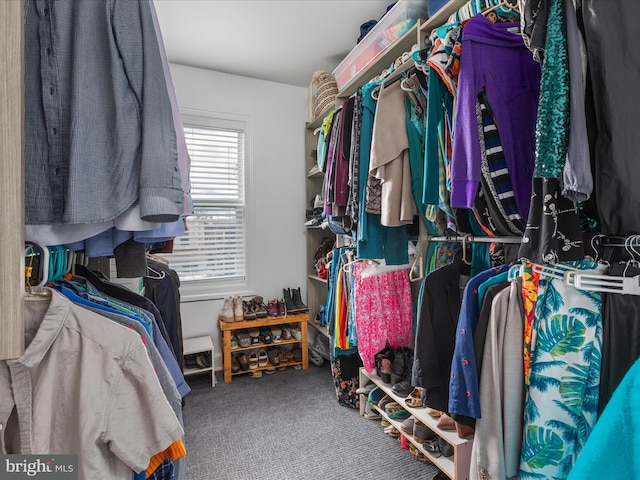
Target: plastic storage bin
(435, 5)
(393, 25)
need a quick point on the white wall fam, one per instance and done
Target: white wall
(277, 203)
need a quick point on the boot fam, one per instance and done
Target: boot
(297, 300)
(238, 309)
(281, 307)
(226, 314)
(291, 307)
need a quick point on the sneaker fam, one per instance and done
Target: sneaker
(282, 310)
(272, 308)
(247, 311)
(259, 307)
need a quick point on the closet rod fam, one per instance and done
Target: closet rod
(473, 239)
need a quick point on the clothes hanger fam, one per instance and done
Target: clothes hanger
(156, 275)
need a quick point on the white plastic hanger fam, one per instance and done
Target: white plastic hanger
(609, 283)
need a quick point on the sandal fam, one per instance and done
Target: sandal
(414, 399)
(263, 359)
(253, 360)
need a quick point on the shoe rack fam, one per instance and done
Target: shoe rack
(455, 467)
(228, 328)
(192, 346)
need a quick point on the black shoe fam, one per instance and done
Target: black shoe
(297, 300)
(289, 304)
(403, 388)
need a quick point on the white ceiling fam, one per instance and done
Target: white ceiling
(279, 40)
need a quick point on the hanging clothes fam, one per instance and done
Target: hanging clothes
(88, 403)
(617, 429)
(389, 158)
(383, 311)
(498, 432)
(136, 147)
(494, 57)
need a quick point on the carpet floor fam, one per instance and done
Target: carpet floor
(284, 426)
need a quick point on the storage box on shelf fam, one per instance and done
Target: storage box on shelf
(394, 34)
(455, 467)
(194, 346)
(228, 329)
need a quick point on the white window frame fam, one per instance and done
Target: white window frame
(197, 290)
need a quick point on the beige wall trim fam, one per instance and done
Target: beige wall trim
(11, 179)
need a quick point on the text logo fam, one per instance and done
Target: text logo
(49, 467)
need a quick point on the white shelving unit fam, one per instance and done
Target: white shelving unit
(199, 345)
(455, 467)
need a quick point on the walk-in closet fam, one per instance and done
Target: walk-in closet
(285, 240)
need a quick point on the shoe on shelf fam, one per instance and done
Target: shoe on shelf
(272, 308)
(289, 305)
(226, 313)
(263, 358)
(407, 425)
(235, 364)
(253, 360)
(190, 361)
(238, 309)
(414, 399)
(297, 300)
(247, 311)
(259, 307)
(366, 389)
(254, 333)
(244, 339)
(274, 358)
(421, 433)
(282, 309)
(265, 335)
(203, 360)
(403, 388)
(296, 333)
(243, 360)
(234, 342)
(370, 413)
(286, 332)
(276, 333)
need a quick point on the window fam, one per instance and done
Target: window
(212, 250)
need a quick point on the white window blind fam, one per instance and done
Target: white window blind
(213, 247)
